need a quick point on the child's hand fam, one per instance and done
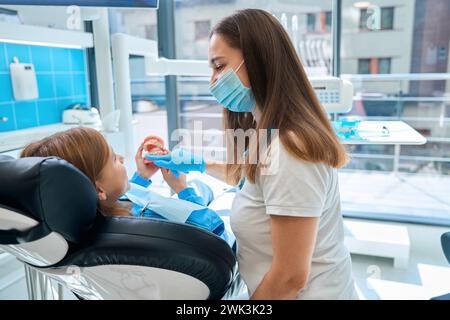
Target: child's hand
(145, 168)
(177, 184)
(152, 145)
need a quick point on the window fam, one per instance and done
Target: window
(442, 54)
(384, 65)
(389, 86)
(308, 25)
(328, 21)
(374, 66)
(387, 18)
(311, 22)
(364, 66)
(324, 18)
(419, 45)
(375, 18)
(363, 19)
(202, 29)
(136, 22)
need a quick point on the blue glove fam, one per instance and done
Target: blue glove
(179, 160)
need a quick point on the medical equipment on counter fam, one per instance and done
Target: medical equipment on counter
(335, 94)
(78, 114)
(348, 128)
(23, 79)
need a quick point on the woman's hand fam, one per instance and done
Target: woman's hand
(179, 160)
(177, 184)
(145, 168)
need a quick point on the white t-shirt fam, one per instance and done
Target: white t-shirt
(294, 188)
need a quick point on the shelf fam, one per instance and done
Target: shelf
(41, 36)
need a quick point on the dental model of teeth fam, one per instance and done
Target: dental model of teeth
(154, 146)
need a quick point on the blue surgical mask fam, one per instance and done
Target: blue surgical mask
(232, 94)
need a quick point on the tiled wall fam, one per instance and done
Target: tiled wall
(62, 80)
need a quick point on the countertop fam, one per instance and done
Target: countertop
(15, 140)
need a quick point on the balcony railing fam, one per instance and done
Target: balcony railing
(394, 95)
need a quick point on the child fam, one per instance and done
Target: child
(88, 151)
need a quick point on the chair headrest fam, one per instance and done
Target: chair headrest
(51, 191)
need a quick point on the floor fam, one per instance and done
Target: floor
(375, 278)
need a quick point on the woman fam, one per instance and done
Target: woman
(288, 224)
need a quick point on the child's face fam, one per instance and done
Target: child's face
(113, 182)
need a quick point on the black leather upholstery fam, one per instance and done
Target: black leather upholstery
(159, 244)
(51, 191)
(445, 241)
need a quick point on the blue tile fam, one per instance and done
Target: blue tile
(6, 110)
(4, 67)
(6, 93)
(18, 50)
(62, 104)
(63, 86)
(79, 85)
(26, 116)
(49, 112)
(61, 59)
(45, 85)
(41, 58)
(78, 60)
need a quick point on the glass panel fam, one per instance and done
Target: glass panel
(387, 18)
(202, 30)
(61, 17)
(364, 66)
(311, 17)
(140, 23)
(307, 22)
(148, 93)
(407, 47)
(384, 65)
(329, 18)
(363, 17)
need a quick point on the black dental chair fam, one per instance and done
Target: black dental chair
(445, 241)
(49, 221)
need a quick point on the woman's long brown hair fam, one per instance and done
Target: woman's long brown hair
(282, 91)
(84, 148)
